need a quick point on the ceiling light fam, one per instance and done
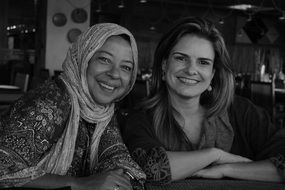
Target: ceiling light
(282, 17)
(121, 5)
(99, 9)
(143, 1)
(242, 7)
(221, 21)
(152, 28)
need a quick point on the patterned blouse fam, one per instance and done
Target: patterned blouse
(34, 124)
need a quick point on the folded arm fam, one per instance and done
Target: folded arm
(162, 166)
(258, 171)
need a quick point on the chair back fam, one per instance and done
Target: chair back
(22, 81)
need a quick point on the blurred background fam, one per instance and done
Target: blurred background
(35, 36)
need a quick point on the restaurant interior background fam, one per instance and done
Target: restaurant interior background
(35, 36)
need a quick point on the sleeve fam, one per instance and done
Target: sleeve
(30, 128)
(265, 139)
(113, 154)
(146, 149)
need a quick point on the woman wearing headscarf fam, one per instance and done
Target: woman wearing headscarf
(64, 133)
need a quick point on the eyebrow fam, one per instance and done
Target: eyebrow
(186, 55)
(125, 60)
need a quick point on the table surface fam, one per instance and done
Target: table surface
(9, 93)
(201, 184)
(221, 184)
(8, 87)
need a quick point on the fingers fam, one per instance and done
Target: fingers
(244, 159)
(226, 157)
(214, 172)
(121, 179)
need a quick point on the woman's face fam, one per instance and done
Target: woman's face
(110, 70)
(189, 67)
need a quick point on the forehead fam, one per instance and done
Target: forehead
(192, 44)
(117, 47)
(116, 41)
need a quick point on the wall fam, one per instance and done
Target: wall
(56, 38)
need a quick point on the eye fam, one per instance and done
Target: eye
(180, 58)
(127, 68)
(205, 62)
(104, 60)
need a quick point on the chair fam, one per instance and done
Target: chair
(264, 95)
(56, 73)
(22, 81)
(243, 85)
(37, 80)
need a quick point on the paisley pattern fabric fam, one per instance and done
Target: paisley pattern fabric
(32, 126)
(36, 122)
(83, 106)
(155, 164)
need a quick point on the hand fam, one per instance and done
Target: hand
(225, 157)
(104, 181)
(213, 172)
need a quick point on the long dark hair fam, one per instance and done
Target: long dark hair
(216, 102)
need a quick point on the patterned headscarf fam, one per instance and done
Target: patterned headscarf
(75, 79)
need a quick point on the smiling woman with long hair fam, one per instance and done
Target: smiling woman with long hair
(192, 124)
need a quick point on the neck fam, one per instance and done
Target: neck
(186, 107)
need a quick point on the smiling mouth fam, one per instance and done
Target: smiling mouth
(106, 86)
(188, 81)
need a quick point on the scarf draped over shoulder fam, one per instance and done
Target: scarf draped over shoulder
(74, 76)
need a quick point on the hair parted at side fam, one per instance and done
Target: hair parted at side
(216, 102)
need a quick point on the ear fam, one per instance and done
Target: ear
(163, 65)
(213, 73)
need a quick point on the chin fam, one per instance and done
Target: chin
(103, 101)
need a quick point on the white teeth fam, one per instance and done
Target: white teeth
(107, 86)
(189, 81)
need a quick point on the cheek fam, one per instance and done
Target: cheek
(90, 69)
(172, 68)
(126, 79)
(209, 73)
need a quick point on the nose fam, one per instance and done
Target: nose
(114, 72)
(191, 67)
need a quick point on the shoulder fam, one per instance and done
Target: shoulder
(51, 93)
(36, 121)
(241, 105)
(240, 101)
(140, 121)
(130, 116)
(139, 114)
(245, 113)
(43, 109)
(139, 117)
(136, 120)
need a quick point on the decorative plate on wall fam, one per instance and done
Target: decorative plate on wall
(79, 15)
(73, 34)
(59, 19)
